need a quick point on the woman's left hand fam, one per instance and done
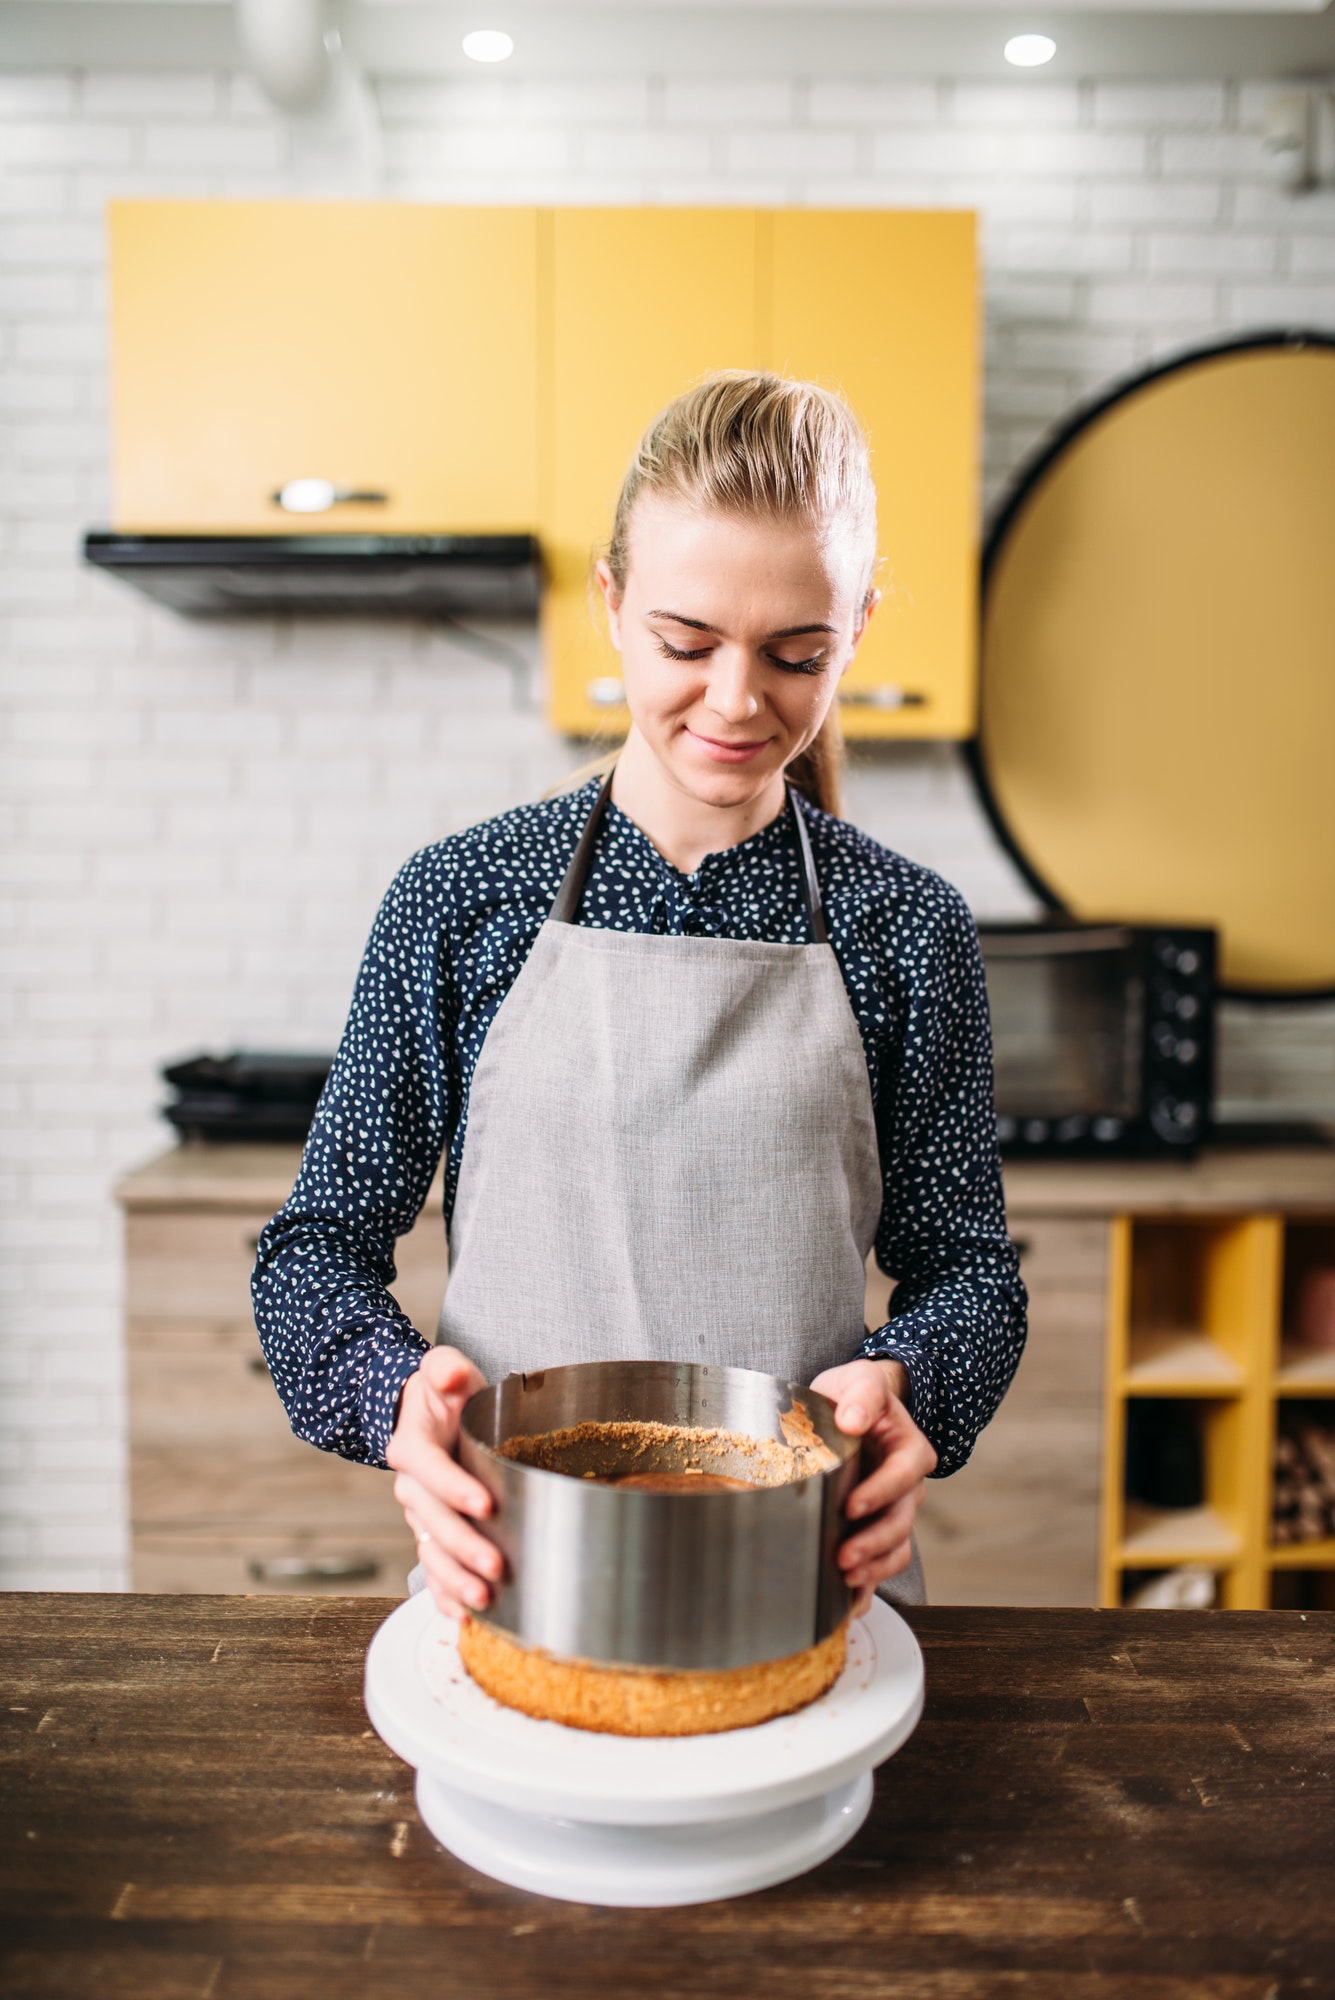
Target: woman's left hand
(868, 1400)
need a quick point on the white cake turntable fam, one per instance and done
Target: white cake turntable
(636, 1821)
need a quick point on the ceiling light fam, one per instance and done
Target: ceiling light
(488, 45)
(1028, 51)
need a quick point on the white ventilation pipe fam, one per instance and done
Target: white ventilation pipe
(290, 47)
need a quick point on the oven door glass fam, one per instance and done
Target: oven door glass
(1067, 1022)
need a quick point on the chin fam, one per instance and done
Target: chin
(724, 785)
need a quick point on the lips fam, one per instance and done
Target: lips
(724, 752)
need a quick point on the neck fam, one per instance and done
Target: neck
(682, 827)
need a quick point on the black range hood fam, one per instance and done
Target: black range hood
(368, 576)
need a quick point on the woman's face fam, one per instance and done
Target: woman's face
(733, 635)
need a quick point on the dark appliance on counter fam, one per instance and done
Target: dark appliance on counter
(249, 1095)
(1103, 1036)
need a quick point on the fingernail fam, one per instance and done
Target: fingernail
(856, 1509)
(477, 1594)
(856, 1414)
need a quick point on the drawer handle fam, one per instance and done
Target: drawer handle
(313, 1569)
(883, 697)
(258, 1365)
(317, 496)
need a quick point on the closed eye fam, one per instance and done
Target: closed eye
(671, 652)
(811, 666)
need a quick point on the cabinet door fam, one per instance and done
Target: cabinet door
(385, 347)
(642, 302)
(883, 306)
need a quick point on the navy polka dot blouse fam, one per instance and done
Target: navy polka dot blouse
(448, 944)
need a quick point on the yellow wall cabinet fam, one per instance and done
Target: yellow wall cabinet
(490, 370)
(384, 347)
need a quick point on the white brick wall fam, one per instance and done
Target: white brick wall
(197, 823)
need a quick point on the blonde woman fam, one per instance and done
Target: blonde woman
(690, 1043)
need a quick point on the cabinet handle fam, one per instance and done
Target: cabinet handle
(313, 1569)
(607, 692)
(317, 496)
(258, 1365)
(884, 697)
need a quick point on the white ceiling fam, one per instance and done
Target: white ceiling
(1260, 39)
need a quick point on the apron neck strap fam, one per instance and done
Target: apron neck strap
(810, 882)
(565, 909)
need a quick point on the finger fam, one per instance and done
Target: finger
(448, 1389)
(862, 1602)
(452, 1583)
(899, 1472)
(437, 1473)
(448, 1530)
(886, 1531)
(884, 1567)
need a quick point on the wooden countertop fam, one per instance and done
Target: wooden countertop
(1291, 1180)
(1095, 1803)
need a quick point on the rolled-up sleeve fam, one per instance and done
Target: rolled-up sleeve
(337, 1343)
(957, 1316)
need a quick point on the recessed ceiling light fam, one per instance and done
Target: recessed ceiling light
(488, 45)
(1028, 51)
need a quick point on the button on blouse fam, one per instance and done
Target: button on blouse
(449, 941)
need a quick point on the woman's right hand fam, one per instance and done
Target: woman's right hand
(438, 1497)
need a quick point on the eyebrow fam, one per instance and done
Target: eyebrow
(699, 625)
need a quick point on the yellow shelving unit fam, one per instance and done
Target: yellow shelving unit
(1199, 1310)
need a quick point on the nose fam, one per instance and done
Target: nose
(733, 693)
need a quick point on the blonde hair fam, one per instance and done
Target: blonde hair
(743, 442)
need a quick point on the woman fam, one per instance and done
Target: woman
(690, 1043)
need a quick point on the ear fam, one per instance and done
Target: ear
(611, 598)
(860, 626)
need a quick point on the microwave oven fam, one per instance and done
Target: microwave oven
(1102, 1036)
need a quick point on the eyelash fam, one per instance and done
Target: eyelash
(811, 666)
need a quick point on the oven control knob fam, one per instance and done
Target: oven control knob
(1035, 1130)
(1006, 1129)
(1188, 962)
(1105, 1130)
(1188, 1007)
(1187, 1050)
(1072, 1129)
(1175, 1119)
(1165, 1041)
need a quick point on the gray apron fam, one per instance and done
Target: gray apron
(671, 1153)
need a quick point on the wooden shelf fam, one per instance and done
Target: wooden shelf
(1178, 1361)
(1305, 1371)
(1159, 1536)
(1304, 1555)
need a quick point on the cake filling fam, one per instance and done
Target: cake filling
(676, 1457)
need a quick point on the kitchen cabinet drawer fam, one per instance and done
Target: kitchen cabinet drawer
(191, 1267)
(270, 1484)
(323, 1564)
(187, 1390)
(184, 1268)
(388, 347)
